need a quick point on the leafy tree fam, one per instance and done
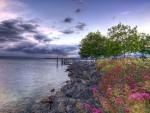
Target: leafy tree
(112, 48)
(92, 45)
(144, 44)
(127, 37)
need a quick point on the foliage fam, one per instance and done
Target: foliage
(92, 45)
(112, 48)
(124, 39)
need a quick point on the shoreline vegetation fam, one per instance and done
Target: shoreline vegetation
(105, 86)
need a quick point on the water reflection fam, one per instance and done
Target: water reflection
(23, 83)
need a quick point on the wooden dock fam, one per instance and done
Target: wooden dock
(68, 61)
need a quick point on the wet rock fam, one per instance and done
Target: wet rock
(69, 82)
(79, 88)
(61, 107)
(45, 100)
(85, 94)
(65, 88)
(69, 109)
(52, 90)
(70, 74)
(92, 72)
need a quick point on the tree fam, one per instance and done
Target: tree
(112, 48)
(127, 37)
(92, 45)
(144, 44)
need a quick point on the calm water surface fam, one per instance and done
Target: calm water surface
(24, 82)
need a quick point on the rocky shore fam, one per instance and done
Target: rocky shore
(76, 93)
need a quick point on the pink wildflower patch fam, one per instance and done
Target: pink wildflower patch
(87, 107)
(95, 91)
(117, 101)
(94, 110)
(146, 77)
(139, 96)
(125, 109)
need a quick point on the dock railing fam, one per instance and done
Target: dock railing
(68, 61)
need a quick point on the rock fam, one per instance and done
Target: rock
(93, 81)
(65, 88)
(59, 94)
(92, 72)
(52, 90)
(85, 94)
(69, 82)
(69, 109)
(79, 88)
(45, 100)
(70, 74)
(62, 107)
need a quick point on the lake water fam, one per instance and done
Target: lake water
(24, 82)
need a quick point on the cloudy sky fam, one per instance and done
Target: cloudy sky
(51, 28)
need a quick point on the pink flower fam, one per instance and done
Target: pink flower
(146, 77)
(125, 77)
(117, 100)
(132, 80)
(141, 88)
(95, 91)
(139, 96)
(94, 110)
(135, 96)
(87, 107)
(108, 91)
(133, 90)
(146, 96)
(125, 109)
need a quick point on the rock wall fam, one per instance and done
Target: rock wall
(83, 77)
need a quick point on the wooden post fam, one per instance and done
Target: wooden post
(57, 60)
(61, 61)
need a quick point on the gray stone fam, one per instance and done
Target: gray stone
(69, 108)
(85, 94)
(61, 107)
(92, 72)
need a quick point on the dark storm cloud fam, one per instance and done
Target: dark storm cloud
(68, 20)
(67, 31)
(81, 25)
(42, 38)
(12, 30)
(65, 50)
(36, 21)
(29, 27)
(30, 47)
(22, 46)
(56, 38)
(78, 10)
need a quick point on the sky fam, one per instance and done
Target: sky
(54, 28)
